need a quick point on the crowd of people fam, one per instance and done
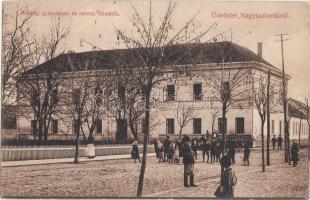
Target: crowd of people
(212, 147)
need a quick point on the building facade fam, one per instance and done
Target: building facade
(187, 99)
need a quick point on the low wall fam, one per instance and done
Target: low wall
(11, 153)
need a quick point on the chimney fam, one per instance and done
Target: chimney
(260, 50)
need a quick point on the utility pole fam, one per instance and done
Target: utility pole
(284, 101)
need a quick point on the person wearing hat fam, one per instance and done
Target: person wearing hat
(159, 153)
(294, 153)
(166, 145)
(228, 179)
(135, 151)
(246, 153)
(188, 161)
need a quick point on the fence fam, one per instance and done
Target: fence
(14, 153)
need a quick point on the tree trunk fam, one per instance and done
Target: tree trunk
(288, 143)
(268, 119)
(45, 134)
(263, 151)
(224, 133)
(145, 142)
(35, 132)
(308, 139)
(77, 142)
(40, 131)
(90, 137)
(180, 133)
(268, 141)
(133, 131)
(225, 128)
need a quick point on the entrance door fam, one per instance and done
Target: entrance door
(121, 132)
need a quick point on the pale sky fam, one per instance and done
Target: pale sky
(246, 32)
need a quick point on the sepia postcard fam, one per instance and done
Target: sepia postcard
(155, 99)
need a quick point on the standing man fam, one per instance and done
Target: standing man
(205, 148)
(213, 150)
(231, 147)
(280, 139)
(166, 145)
(195, 147)
(246, 153)
(294, 153)
(188, 160)
(135, 151)
(273, 140)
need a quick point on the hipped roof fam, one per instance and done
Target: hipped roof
(180, 54)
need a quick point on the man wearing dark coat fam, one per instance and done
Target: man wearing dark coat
(135, 151)
(205, 148)
(228, 179)
(195, 147)
(166, 145)
(294, 153)
(188, 161)
(246, 153)
(213, 150)
(231, 149)
(274, 141)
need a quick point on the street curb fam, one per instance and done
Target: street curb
(67, 160)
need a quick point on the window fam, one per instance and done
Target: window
(98, 91)
(239, 125)
(76, 93)
(9, 122)
(280, 127)
(75, 126)
(54, 126)
(98, 125)
(222, 125)
(197, 91)
(197, 125)
(99, 95)
(225, 91)
(34, 97)
(55, 96)
(170, 93)
(170, 126)
(34, 126)
(272, 127)
(144, 90)
(121, 95)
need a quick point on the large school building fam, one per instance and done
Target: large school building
(186, 93)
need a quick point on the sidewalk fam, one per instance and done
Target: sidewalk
(67, 160)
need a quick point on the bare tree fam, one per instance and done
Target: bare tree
(40, 89)
(214, 116)
(264, 100)
(230, 86)
(16, 50)
(260, 103)
(79, 96)
(184, 114)
(153, 48)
